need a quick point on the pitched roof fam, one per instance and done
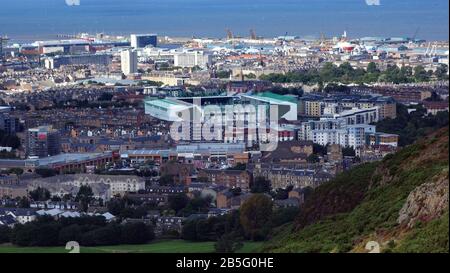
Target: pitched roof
(278, 97)
(7, 220)
(108, 216)
(285, 151)
(18, 211)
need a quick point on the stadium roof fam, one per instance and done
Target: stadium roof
(275, 97)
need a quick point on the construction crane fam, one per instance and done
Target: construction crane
(428, 49)
(322, 39)
(434, 50)
(413, 38)
(282, 40)
(253, 34)
(229, 34)
(431, 50)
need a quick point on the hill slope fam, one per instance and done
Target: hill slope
(401, 203)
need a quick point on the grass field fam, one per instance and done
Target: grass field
(171, 246)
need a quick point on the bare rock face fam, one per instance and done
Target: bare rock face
(425, 203)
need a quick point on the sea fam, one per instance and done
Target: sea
(29, 20)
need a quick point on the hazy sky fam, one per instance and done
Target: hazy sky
(23, 19)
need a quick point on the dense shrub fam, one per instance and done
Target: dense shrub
(89, 231)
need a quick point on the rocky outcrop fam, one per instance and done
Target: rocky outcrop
(427, 202)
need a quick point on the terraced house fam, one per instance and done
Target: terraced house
(298, 178)
(115, 184)
(228, 178)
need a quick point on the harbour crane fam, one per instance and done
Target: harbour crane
(229, 34)
(413, 38)
(253, 34)
(431, 50)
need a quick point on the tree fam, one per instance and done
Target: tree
(313, 158)
(319, 149)
(84, 197)
(420, 74)
(108, 235)
(329, 73)
(223, 74)
(255, 216)
(55, 198)
(36, 234)
(67, 197)
(372, 68)
(45, 172)
(7, 140)
(189, 231)
(105, 97)
(283, 216)
(24, 202)
(239, 167)
(166, 180)
(410, 126)
(178, 202)
(434, 97)
(282, 194)
(8, 155)
(16, 171)
(136, 233)
(70, 233)
(307, 191)
(260, 185)
(115, 206)
(133, 212)
(5, 234)
(203, 230)
(236, 191)
(348, 151)
(441, 72)
(40, 194)
(227, 244)
(406, 71)
(198, 204)
(202, 179)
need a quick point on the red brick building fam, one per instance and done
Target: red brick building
(228, 178)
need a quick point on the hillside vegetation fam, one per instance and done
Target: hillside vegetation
(401, 203)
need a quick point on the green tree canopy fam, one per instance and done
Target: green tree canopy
(255, 216)
(260, 185)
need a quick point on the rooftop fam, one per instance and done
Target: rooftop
(274, 96)
(66, 158)
(57, 159)
(167, 103)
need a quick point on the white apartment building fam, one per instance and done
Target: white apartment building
(350, 136)
(119, 184)
(129, 61)
(347, 129)
(359, 116)
(103, 186)
(192, 59)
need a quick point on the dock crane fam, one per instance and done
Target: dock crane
(283, 40)
(413, 38)
(229, 34)
(253, 34)
(431, 50)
